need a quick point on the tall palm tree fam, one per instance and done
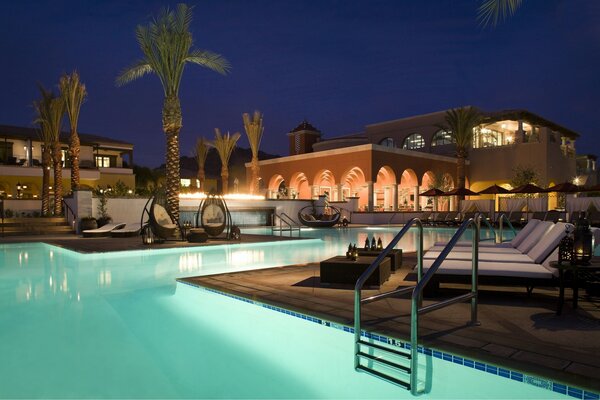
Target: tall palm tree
(254, 130)
(73, 92)
(200, 153)
(166, 44)
(460, 123)
(490, 12)
(225, 145)
(48, 113)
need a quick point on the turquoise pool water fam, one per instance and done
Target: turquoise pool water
(118, 326)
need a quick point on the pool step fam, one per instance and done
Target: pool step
(385, 363)
(34, 226)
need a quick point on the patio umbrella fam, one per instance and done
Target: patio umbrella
(528, 189)
(433, 192)
(495, 190)
(565, 187)
(461, 192)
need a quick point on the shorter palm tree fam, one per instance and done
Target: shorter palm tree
(254, 130)
(200, 153)
(225, 145)
(490, 12)
(48, 113)
(460, 123)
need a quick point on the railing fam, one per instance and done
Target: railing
(417, 309)
(479, 217)
(69, 210)
(391, 218)
(502, 218)
(288, 221)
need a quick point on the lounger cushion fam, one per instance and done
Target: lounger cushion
(486, 243)
(523, 233)
(482, 249)
(517, 270)
(548, 242)
(466, 256)
(535, 235)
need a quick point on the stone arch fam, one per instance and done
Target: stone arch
(274, 183)
(299, 186)
(406, 190)
(324, 181)
(353, 183)
(384, 188)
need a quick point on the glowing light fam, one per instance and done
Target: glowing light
(230, 196)
(509, 139)
(576, 180)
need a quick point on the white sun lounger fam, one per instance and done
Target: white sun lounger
(533, 250)
(104, 230)
(129, 230)
(516, 241)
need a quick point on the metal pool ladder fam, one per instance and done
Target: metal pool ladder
(400, 365)
(284, 219)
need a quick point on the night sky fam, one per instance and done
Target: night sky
(340, 64)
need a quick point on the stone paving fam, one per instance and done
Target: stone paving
(519, 332)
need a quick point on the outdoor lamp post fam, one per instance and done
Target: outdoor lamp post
(582, 242)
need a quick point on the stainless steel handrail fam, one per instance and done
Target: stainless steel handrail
(490, 226)
(290, 220)
(501, 227)
(369, 271)
(416, 307)
(392, 217)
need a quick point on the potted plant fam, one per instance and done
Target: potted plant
(86, 223)
(103, 211)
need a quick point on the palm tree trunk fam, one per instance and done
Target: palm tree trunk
(74, 149)
(224, 179)
(201, 178)
(172, 123)
(460, 170)
(46, 161)
(58, 187)
(255, 172)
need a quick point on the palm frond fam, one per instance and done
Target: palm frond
(225, 145)
(135, 71)
(166, 43)
(73, 93)
(491, 12)
(210, 60)
(254, 130)
(460, 123)
(50, 110)
(201, 151)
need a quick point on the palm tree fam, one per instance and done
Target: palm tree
(254, 130)
(490, 12)
(74, 93)
(225, 145)
(45, 109)
(51, 109)
(166, 44)
(460, 123)
(200, 153)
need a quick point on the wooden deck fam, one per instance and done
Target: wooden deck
(517, 331)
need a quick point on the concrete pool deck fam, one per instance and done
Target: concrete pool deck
(110, 244)
(518, 332)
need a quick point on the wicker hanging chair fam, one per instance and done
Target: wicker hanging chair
(160, 220)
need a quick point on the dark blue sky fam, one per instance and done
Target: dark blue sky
(341, 64)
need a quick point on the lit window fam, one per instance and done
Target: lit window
(186, 182)
(102, 162)
(414, 141)
(387, 142)
(441, 138)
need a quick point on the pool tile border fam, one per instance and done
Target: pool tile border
(466, 362)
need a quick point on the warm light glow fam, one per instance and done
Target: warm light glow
(509, 139)
(231, 196)
(576, 181)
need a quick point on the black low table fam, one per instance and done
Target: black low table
(395, 257)
(577, 270)
(197, 235)
(340, 269)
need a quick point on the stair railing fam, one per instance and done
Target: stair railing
(501, 219)
(416, 300)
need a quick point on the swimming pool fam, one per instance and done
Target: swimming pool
(118, 325)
